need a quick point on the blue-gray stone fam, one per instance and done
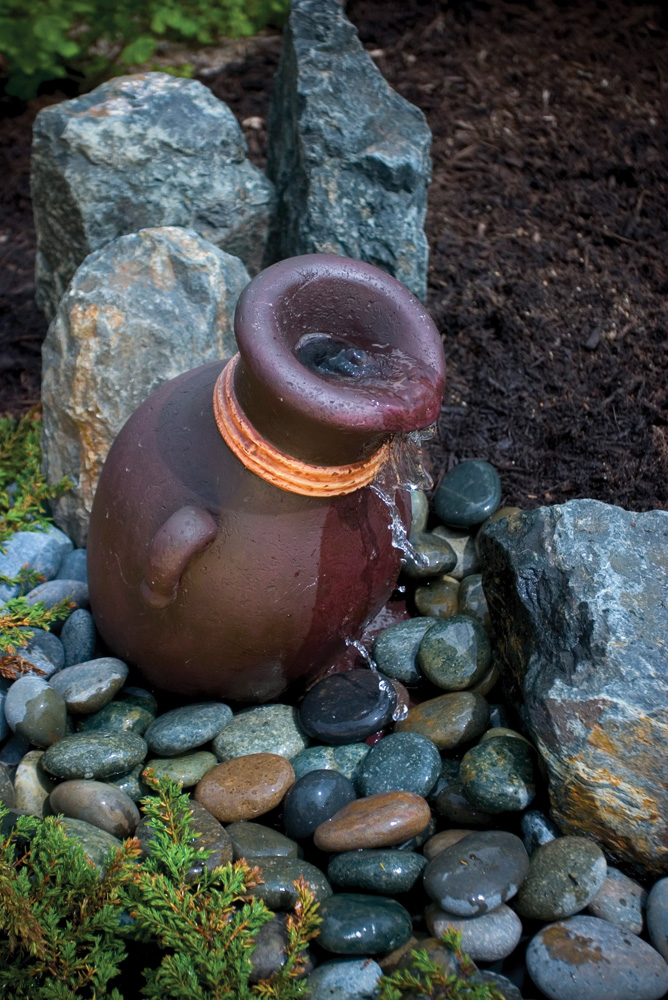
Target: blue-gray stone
(487, 938)
(577, 597)
(54, 591)
(118, 717)
(35, 711)
(537, 829)
(564, 876)
(138, 696)
(622, 901)
(428, 555)
(130, 782)
(73, 566)
(78, 637)
(97, 844)
(187, 770)
(385, 871)
(396, 648)
(356, 924)
(348, 979)
(345, 759)
(40, 550)
(419, 511)
(468, 494)
(313, 799)
(95, 755)
(14, 750)
(455, 653)
(137, 152)
(255, 840)
(279, 874)
(455, 806)
(586, 958)
(4, 725)
(186, 728)
(478, 873)
(266, 729)
(88, 687)
(45, 650)
(657, 916)
(497, 775)
(348, 155)
(401, 762)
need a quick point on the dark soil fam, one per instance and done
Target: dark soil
(548, 227)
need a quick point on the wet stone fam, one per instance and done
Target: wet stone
(97, 803)
(187, 770)
(4, 725)
(32, 786)
(487, 938)
(356, 924)
(314, 798)
(186, 728)
(7, 794)
(468, 494)
(463, 545)
(419, 511)
(429, 556)
(415, 843)
(130, 782)
(455, 653)
(209, 836)
(498, 775)
(345, 759)
(449, 776)
(14, 750)
(657, 916)
(448, 720)
(78, 637)
(537, 829)
(245, 787)
(452, 804)
(118, 717)
(488, 681)
(132, 695)
(95, 842)
(503, 731)
(54, 591)
(35, 711)
(41, 551)
(279, 874)
(564, 876)
(505, 986)
(395, 650)
(44, 650)
(472, 601)
(347, 707)
(405, 762)
(269, 954)
(387, 872)
(378, 821)
(73, 566)
(271, 729)
(88, 687)
(255, 840)
(438, 598)
(95, 755)
(349, 979)
(621, 901)
(446, 838)
(586, 958)
(478, 873)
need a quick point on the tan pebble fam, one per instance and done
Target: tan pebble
(376, 821)
(497, 731)
(446, 838)
(245, 787)
(33, 786)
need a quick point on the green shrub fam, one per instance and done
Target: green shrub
(64, 927)
(90, 39)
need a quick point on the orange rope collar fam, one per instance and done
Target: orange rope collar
(274, 466)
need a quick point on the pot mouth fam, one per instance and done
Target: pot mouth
(342, 343)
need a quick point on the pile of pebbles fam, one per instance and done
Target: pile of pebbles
(398, 789)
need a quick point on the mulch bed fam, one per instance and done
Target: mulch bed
(548, 228)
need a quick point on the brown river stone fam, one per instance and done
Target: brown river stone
(376, 821)
(245, 787)
(448, 720)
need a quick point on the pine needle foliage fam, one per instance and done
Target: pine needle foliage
(17, 614)
(427, 980)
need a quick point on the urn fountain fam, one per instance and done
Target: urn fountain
(238, 536)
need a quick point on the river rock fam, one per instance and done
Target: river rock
(438, 598)
(7, 794)
(355, 924)
(487, 938)
(468, 494)
(32, 786)
(384, 871)
(448, 720)
(405, 762)
(453, 804)
(209, 835)
(270, 951)
(74, 567)
(346, 707)
(396, 648)
(455, 654)
(44, 649)
(279, 874)
(95, 755)
(622, 901)
(255, 840)
(41, 550)
(346, 979)
(95, 842)
(130, 782)
(187, 770)
(565, 875)
(463, 545)
(245, 787)
(472, 600)
(345, 759)
(137, 152)
(377, 821)
(270, 729)
(166, 289)
(586, 958)
(54, 591)
(576, 594)
(187, 727)
(657, 916)
(118, 717)
(35, 711)
(537, 829)
(348, 155)
(78, 636)
(446, 838)
(428, 555)
(498, 776)
(314, 798)
(97, 803)
(88, 687)
(478, 873)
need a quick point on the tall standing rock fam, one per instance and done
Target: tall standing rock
(141, 310)
(578, 596)
(138, 152)
(348, 155)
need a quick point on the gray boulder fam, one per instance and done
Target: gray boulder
(142, 310)
(578, 596)
(348, 155)
(137, 152)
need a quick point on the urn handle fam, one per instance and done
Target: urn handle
(189, 530)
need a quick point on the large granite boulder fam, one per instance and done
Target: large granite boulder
(137, 152)
(141, 310)
(578, 595)
(348, 155)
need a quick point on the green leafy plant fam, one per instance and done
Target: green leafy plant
(64, 932)
(426, 978)
(90, 39)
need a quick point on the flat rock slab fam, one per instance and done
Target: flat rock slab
(577, 596)
(348, 155)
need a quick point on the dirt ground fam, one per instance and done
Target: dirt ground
(548, 228)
